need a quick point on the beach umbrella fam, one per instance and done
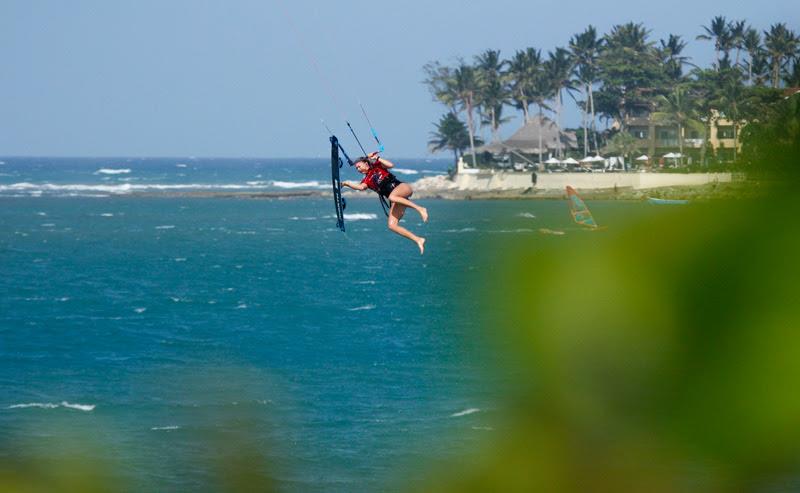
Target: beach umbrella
(587, 159)
(643, 157)
(670, 155)
(598, 159)
(552, 160)
(569, 160)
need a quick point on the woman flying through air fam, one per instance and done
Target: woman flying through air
(379, 179)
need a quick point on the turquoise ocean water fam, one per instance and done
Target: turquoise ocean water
(140, 330)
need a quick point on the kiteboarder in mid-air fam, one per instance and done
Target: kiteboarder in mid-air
(380, 180)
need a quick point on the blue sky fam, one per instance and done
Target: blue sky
(236, 78)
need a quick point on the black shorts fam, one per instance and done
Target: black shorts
(388, 185)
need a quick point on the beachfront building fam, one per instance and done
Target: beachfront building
(540, 135)
(657, 138)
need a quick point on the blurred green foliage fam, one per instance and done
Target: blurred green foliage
(660, 355)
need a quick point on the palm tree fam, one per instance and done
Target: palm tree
(440, 82)
(781, 44)
(718, 31)
(465, 91)
(452, 134)
(522, 72)
(738, 29)
(679, 109)
(751, 42)
(585, 49)
(792, 77)
(541, 91)
(492, 88)
(558, 69)
(670, 54)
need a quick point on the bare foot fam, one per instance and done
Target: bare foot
(424, 213)
(421, 245)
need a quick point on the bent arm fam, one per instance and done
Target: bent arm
(355, 186)
(385, 163)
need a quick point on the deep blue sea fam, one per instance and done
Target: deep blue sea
(159, 335)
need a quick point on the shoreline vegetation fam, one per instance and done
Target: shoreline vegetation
(651, 99)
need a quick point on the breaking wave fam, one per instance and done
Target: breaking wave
(112, 171)
(50, 405)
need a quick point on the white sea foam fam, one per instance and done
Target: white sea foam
(48, 225)
(165, 428)
(298, 184)
(405, 171)
(527, 214)
(365, 282)
(126, 188)
(519, 230)
(180, 259)
(50, 405)
(106, 214)
(79, 407)
(241, 306)
(465, 412)
(112, 171)
(166, 226)
(297, 218)
(41, 213)
(181, 165)
(140, 310)
(360, 217)
(462, 230)
(361, 308)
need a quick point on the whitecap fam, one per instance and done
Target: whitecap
(165, 428)
(405, 171)
(41, 213)
(361, 308)
(166, 226)
(241, 306)
(50, 405)
(465, 412)
(462, 230)
(527, 214)
(181, 165)
(180, 259)
(298, 184)
(297, 218)
(365, 282)
(79, 407)
(360, 217)
(106, 214)
(140, 310)
(112, 171)
(48, 225)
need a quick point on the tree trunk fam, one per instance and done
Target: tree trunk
(776, 73)
(680, 139)
(594, 119)
(541, 127)
(586, 124)
(471, 130)
(495, 126)
(558, 124)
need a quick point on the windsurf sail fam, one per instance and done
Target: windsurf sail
(336, 165)
(580, 213)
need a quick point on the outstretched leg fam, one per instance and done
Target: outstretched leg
(396, 213)
(400, 196)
